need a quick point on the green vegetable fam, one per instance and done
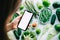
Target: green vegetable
(21, 7)
(26, 33)
(38, 31)
(16, 34)
(57, 27)
(53, 19)
(56, 4)
(22, 37)
(19, 31)
(31, 8)
(58, 14)
(32, 34)
(29, 35)
(46, 3)
(59, 36)
(39, 6)
(45, 15)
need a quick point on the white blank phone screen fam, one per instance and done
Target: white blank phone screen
(25, 20)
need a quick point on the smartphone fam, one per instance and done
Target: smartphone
(25, 20)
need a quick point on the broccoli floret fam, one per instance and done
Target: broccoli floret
(32, 34)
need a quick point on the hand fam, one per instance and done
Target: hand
(13, 24)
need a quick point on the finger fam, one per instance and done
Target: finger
(14, 26)
(17, 19)
(15, 22)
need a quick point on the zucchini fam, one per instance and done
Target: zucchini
(56, 4)
(19, 31)
(58, 13)
(53, 19)
(16, 34)
(59, 36)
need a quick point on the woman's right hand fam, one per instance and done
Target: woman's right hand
(13, 24)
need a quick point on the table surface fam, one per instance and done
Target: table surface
(41, 26)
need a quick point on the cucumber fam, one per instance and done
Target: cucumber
(56, 4)
(59, 36)
(58, 14)
(19, 31)
(53, 19)
(16, 34)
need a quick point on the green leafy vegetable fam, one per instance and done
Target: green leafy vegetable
(30, 7)
(57, 27)
(22, 37)
(46, 3)
(58, 14)
(59, 36)
(56, 4)
(53, 19)
(38, 31)
(16, 34)
(45, 15)
(21, 7)
(32, 34)
(28, 35)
